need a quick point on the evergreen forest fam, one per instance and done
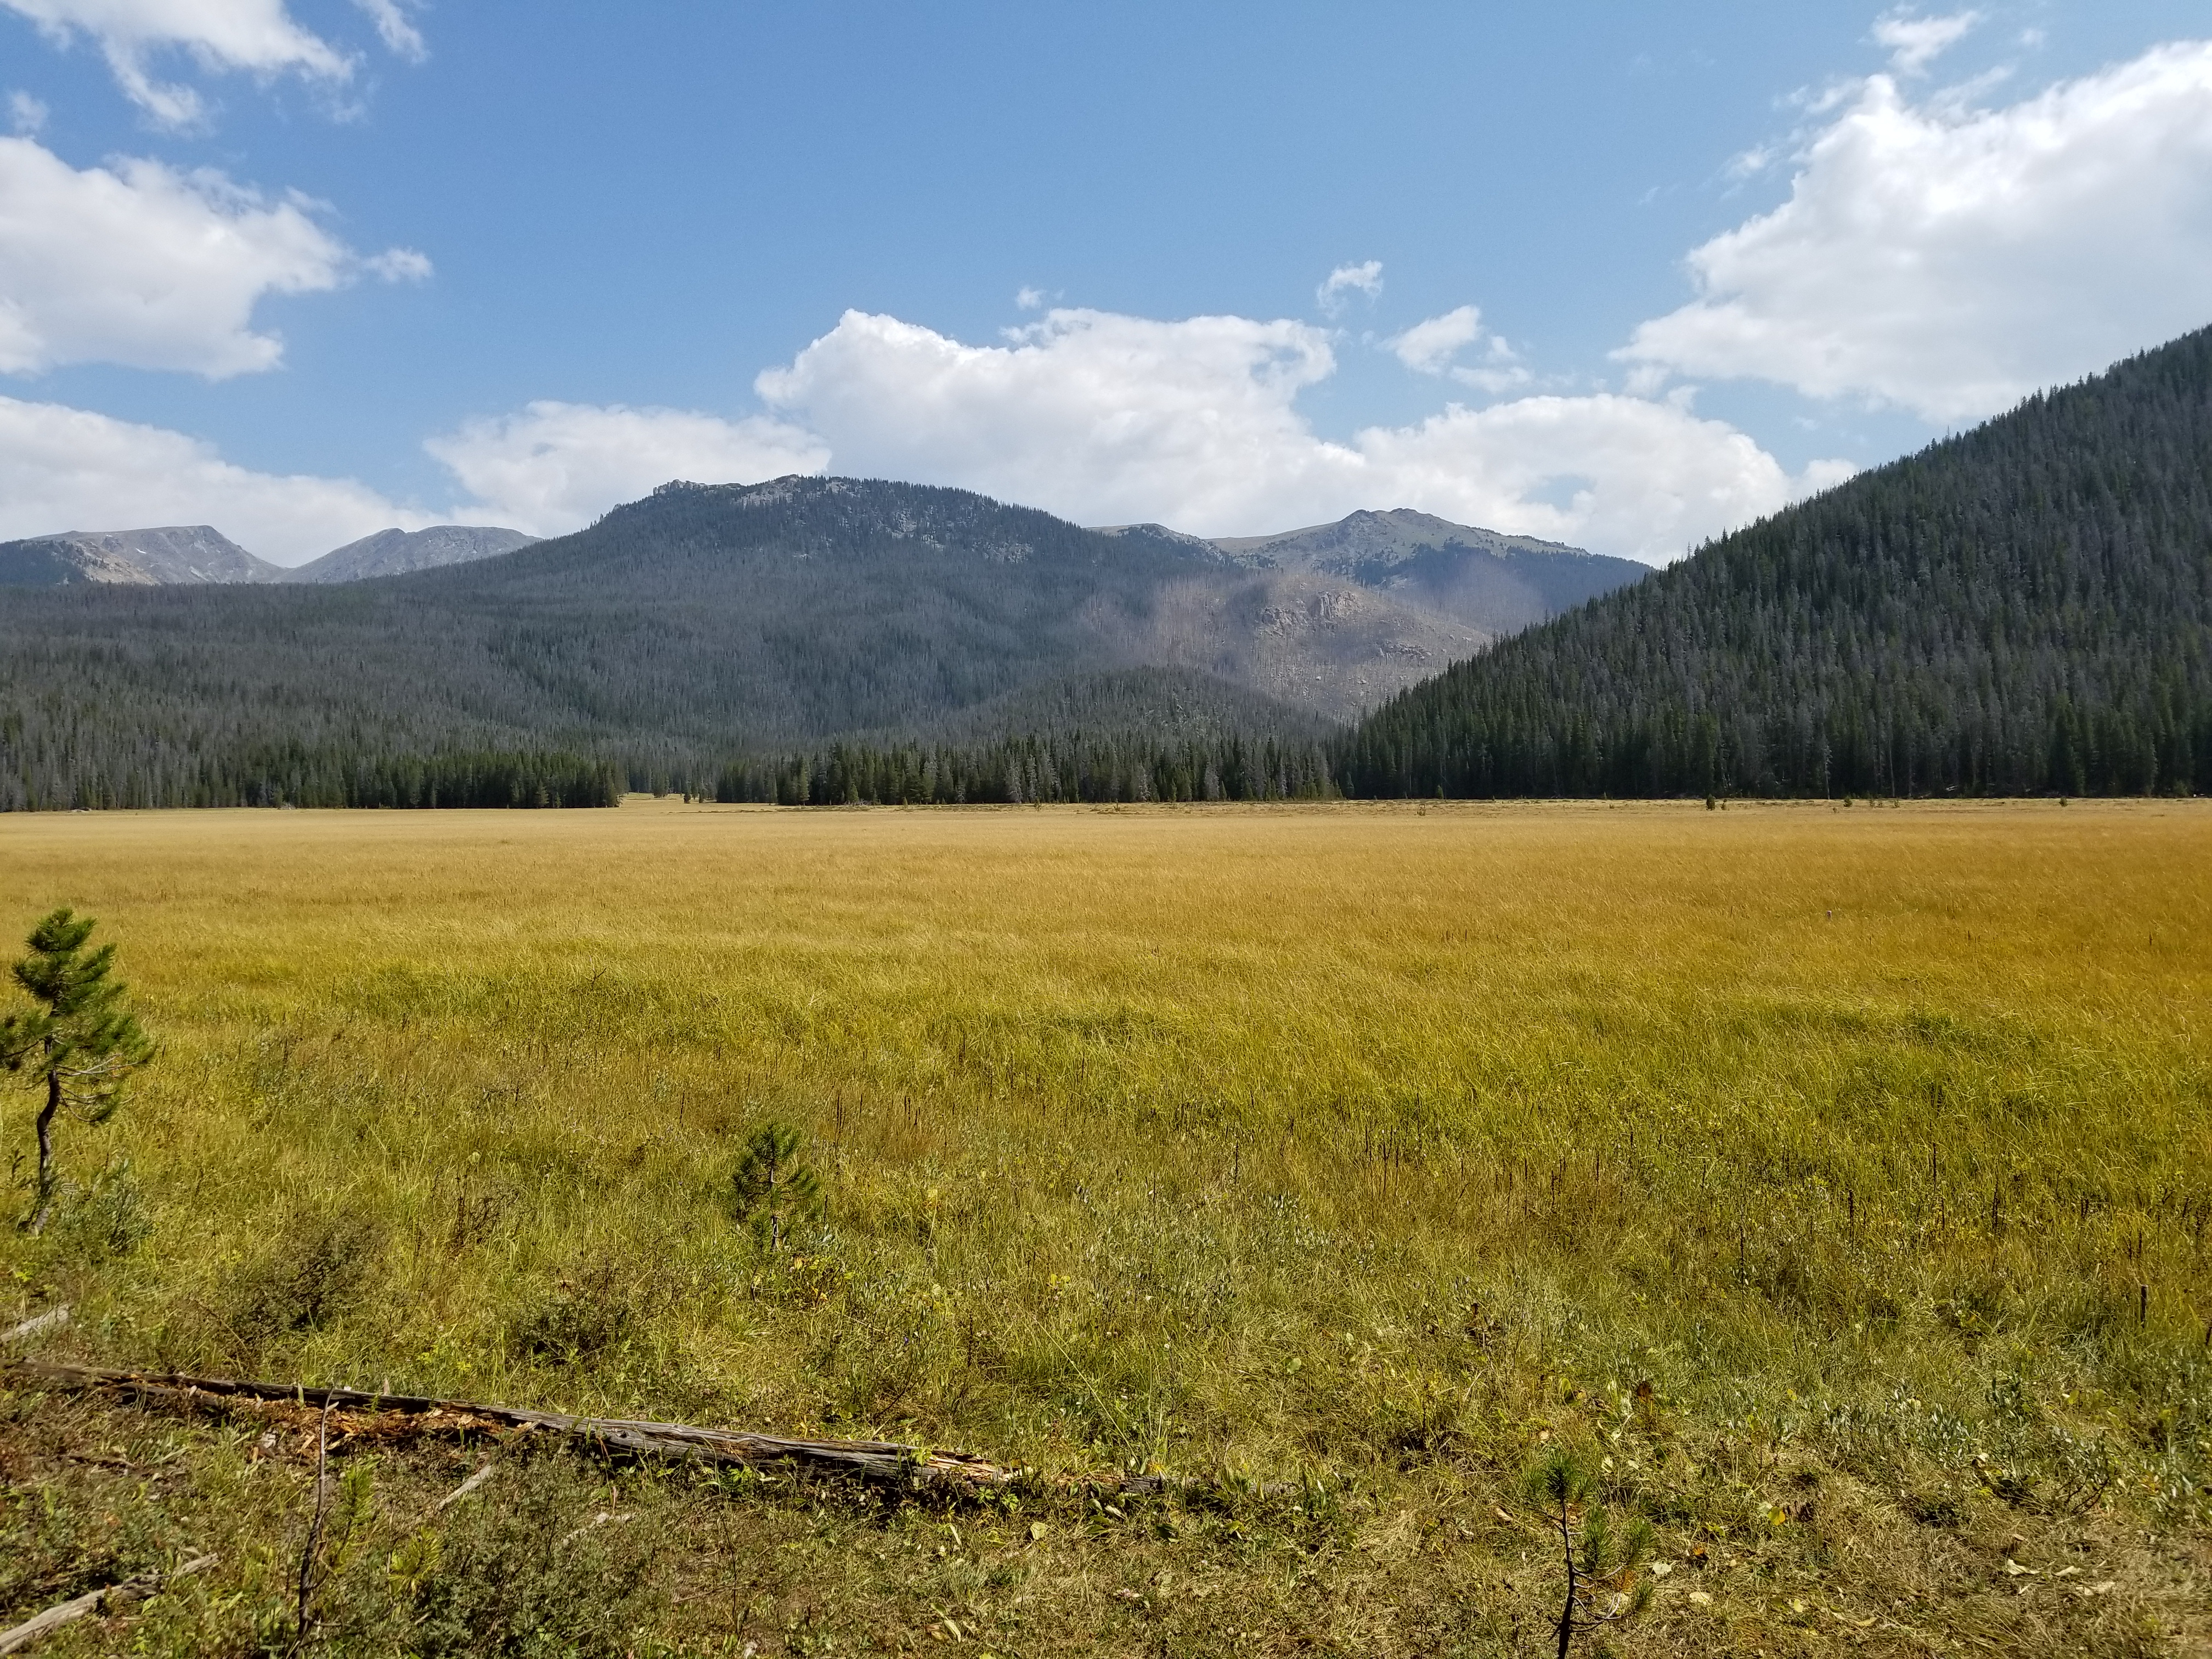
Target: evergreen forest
(2024, 609)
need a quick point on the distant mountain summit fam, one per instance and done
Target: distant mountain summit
(194, 555)
(396, 552)
(1457, 577)
(180, 555)
(1498, 583)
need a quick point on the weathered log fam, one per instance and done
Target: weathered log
(98, 1601)
(882, 1461)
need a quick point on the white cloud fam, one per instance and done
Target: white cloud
(556, 467)
(1030, 299)
(69, 469)
(548, 470)
(399, 264)
(1100, 418)
(1913, 42)
(1615, 474)
(1363, 278)
(1951, 260)
(256, 36)
(143, 265)
(396, 30)
(26, 114)
(1427, 347)
(1108, 419)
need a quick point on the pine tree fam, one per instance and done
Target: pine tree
(773, 1186)
(82, 1043)
(1605, 1585)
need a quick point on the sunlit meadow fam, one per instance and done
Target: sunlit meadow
(1835, 1177)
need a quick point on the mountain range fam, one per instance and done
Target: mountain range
(708, 622)
(1333, 618)
(200, 555)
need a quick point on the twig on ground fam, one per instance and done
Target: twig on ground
(605, 1517)
(466, 1487)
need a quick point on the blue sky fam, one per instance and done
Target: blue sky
(1621, 275)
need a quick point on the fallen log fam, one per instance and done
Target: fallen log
(98, 1601)
(884, 1461)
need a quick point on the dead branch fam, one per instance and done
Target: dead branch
(52, 1320)
(98, 1601)
(308, 1582)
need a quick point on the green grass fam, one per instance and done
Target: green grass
(1359, 1150)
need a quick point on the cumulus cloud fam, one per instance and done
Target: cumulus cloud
(1951, 260)
(399, 264)
(143, 265)
(26, 114)
(1363, 278)
(396, 29)
(1427, 347)
(1913, 42)
(255, 36)
(548, 470)
(1099, 417)
(69, 469)
(556, 467)
(1106, 419)
(1617, 474)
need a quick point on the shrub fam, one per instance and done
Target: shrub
(529, 1569)
(316, 1267)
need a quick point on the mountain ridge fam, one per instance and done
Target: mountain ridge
(399, 552)
(1481, 579)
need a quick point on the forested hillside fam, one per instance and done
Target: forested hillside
(2024, 609)
(679, 633)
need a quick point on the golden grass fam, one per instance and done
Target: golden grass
(1361, 1146)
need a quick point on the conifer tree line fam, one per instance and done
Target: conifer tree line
(2025, 609)
(296, 776)
(1037, 770)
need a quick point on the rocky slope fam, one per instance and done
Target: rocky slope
(1495, 583)
(180, 555)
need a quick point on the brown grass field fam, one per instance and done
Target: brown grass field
(1834, 1179)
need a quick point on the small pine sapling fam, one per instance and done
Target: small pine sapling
(773, 1187)
(82, 1043)
(1605, 1585)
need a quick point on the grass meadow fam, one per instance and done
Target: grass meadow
(1835, 1179)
